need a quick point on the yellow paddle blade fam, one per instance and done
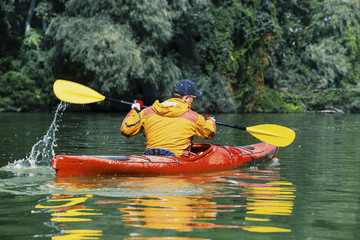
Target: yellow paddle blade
(273, 134)
(72, 92)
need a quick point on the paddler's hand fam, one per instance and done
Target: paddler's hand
(137, 105)
(207, 117)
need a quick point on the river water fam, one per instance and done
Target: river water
(311, 191)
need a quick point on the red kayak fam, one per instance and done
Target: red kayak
(206, 158)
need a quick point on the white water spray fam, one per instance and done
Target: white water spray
(43, 151)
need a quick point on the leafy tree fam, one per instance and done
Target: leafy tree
(239, 43)
(246, 55)
(119, 44)
(333, 41)
(135, 48)
(319, 51)
(26, 75)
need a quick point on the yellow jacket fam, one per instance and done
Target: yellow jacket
(169, 125)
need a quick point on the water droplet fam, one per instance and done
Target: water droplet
(43, 151)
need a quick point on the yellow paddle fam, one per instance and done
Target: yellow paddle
(77, 93)
(270, 133)
(72, 92)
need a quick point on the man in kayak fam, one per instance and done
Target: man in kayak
(170, 126)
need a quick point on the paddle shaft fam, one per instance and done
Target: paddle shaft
(230, 125)
(117, 100)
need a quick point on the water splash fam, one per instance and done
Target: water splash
(43, 151)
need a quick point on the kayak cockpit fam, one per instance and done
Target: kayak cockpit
(200, 148)
(197, 151)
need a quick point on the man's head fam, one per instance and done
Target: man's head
(186, 88)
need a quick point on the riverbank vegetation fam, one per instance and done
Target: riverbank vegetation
(245, 55)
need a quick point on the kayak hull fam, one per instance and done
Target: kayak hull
(206, 158)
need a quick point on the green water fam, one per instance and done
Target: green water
(310, 192)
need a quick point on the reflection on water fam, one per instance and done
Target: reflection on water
(246, 200)
(79, 234)
(70, 208)
(180, 213)
(272, 198)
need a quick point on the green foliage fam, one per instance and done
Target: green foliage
(328, 57)
(324, 53)
(338, 98)
(241, 39)
(333, 35)
(45, 10)
(18, 90)
(245, 55)
(104, 49)
(271, 101)
(120, 44)
(26, 82)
